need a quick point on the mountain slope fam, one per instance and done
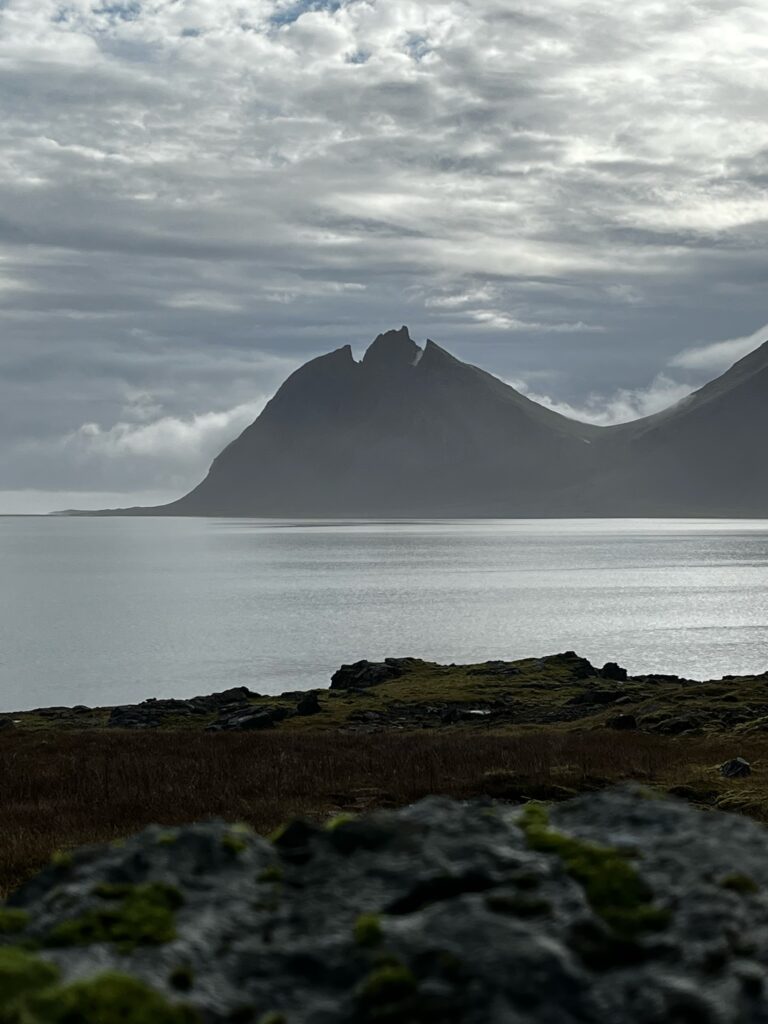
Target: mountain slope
(704, 456)
(412, 432)
(405, 431)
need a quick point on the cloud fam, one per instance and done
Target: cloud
(196, 439)
(505, 322)
(626, 404)
(147, 453)
(622, 406)
(719, 355)
(198, 196)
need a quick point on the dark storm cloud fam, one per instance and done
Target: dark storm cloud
(197, 196)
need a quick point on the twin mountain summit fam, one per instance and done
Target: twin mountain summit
(416, 432)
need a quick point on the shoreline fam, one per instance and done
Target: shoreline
(411, 694)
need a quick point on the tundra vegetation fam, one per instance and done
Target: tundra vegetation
(382, 736)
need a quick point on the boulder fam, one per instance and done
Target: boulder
(581, 668)
(363, 674)
(249, 719)
(736, 768)
(439, 913)
(133, 716)
(309, 704)
(611, 670)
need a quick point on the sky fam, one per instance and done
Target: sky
(197, 196)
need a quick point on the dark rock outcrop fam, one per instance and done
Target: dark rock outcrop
(156, 713)
(363, 674)
(248, 719)
(613, 671)
(737, 768)
(618, 908)
(309, 704)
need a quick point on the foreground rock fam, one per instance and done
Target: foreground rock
(611, 907)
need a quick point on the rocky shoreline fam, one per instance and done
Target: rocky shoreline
(410, 694)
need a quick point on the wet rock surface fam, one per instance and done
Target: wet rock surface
(439, 912)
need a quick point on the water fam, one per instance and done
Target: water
(105, 611)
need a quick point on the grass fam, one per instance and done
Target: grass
(61, 789)
(546, 690)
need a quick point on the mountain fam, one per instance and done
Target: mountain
(704, 456)
(408, 431)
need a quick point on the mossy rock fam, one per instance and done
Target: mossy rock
(108, 999)
(22, 974)
(738, 882)
(367, 930)
(612, 885)
(144, 916)
(30, 993)
(12, 921)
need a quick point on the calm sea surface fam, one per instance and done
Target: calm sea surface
(104, 611)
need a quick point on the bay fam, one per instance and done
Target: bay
(107, 611)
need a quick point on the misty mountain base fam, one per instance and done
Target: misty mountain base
(616, 906)
(416, 432)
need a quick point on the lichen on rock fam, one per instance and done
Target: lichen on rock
(606, 907)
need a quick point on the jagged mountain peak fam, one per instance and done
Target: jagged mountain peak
(412, 431)
(392, 349)
(434, 355)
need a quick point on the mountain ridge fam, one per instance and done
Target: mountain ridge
(411, 431)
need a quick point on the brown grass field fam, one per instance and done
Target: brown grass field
(60, 789)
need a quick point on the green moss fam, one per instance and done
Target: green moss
(108, 999)
(273, 1017)
(387, 984)
(233, 844)
(167, 838)
(62, 860)
(367, 930)
(112, 890)
(144, 916)
(614, 889)
(12, 921)
(279, 832)
(242, 828)
(338, 820)
(21, 974)
(274, 873)
(737, 882)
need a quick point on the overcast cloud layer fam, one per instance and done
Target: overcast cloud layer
(198, 195)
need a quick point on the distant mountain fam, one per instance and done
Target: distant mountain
(704, 456)
(416, 432)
